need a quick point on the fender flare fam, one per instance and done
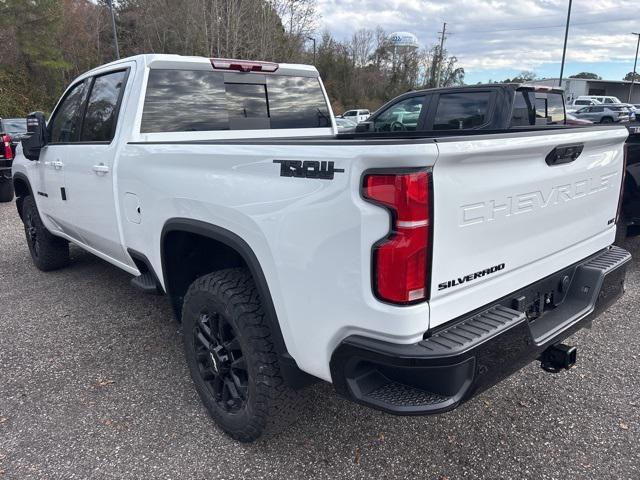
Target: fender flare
(21, 177)
(293, 376)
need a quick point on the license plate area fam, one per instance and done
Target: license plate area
(565, 297)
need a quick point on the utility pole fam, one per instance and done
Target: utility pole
(115, 33)
(440, 53)
(314, 48)
(564, 49)
(635, 64)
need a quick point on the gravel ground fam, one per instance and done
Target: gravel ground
(93, 384)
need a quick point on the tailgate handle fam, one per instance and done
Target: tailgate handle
(564, 154)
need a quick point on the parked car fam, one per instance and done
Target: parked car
(12, 131)
(357, 115)
(6, 161)
(411, 271)
(604, 113)
(577, 104)
(573, 120)
(632, 111)
(479, 107)
(16, 128)
(346, 125)
(600, 98)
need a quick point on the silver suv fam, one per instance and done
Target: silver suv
(604, 113)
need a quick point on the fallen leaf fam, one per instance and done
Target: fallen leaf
(624, 426)
(106, 421)
(3, 419)
(103, 382)
(381, 437)
(357, 459)
(487, 403)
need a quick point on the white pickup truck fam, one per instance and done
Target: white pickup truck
(410, 269)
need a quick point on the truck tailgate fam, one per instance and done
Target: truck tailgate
(512, 209)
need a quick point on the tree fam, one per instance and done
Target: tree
(523, 77)
(586, 75)
(629, 76)
(450, 73)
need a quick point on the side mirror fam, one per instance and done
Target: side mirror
(364, 127)
(37, 136)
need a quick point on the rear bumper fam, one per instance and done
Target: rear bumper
(476, 351)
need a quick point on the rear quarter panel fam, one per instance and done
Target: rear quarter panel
(312, 237)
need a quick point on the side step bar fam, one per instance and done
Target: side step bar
(147, 283)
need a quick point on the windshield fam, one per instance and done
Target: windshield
(14, 126)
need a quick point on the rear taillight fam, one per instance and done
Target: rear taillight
(401, 259)
(6, 147)
(243, 65)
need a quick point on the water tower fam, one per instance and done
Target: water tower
(402, 43)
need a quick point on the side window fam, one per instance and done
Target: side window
(102, 109)
(66, 121)
(400, 116)
(350, 113)
(458, 111)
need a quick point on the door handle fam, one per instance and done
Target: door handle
(101, 169)
(564, 154)
(57, 164)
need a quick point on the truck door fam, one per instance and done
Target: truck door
(89, 168)
(64, 130)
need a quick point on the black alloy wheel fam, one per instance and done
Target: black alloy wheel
(221, 364)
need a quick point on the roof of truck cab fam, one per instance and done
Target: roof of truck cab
(170, 61)
(481, 86)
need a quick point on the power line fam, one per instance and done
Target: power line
(574, 14)
(545, 27)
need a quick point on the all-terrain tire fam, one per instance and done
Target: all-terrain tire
(224, 324)
(6, 190)
(48, 252)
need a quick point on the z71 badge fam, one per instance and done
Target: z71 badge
(308, 169)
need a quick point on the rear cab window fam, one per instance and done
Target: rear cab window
(197, 100)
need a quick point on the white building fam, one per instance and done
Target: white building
(574, 87)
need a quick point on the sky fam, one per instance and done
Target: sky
(496, 39)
